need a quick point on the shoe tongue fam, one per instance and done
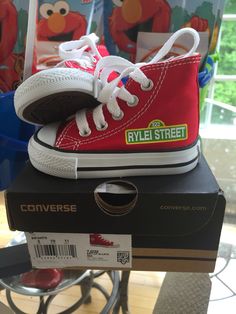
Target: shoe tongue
(103, 50)
(76, 65)
(113, 75)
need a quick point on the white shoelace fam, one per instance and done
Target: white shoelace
(110, 90)
(75, 51)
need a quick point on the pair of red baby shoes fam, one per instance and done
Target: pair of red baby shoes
(104, 116)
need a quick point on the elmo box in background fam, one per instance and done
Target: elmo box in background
(59, 21)
(131, 26)
(13, 29)
(174, 221)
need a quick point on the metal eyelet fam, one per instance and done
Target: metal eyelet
(86, 133)
(148, 87)
(133, 103)
(121, 115)
(103, 127)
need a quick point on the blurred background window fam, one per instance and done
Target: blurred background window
(218, 118)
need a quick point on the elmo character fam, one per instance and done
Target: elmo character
(132, 16)
(58, 23)
(11, 65)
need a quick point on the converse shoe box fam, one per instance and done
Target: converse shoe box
(174, 221)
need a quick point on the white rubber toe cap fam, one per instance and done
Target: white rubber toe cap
(47, 81)
(48, 133)
(51, 82)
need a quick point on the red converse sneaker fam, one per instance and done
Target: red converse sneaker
(96, 239)
(56, 93)
(148, 126)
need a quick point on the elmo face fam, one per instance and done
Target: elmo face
(132, 16)
(59, 24)
(8, 28)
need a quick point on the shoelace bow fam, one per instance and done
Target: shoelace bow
(107, 92)
(82, 51)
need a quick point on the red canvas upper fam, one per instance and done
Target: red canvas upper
(170, 110)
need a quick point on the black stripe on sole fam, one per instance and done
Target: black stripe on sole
(138, 166)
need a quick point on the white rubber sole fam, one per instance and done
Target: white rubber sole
(37, 89)
(104, 165)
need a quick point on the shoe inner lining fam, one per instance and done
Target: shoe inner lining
(58, 107)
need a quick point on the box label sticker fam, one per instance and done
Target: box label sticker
(48, 250)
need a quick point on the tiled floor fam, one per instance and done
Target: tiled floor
(223, 292)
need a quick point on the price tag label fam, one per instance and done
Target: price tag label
(58, 250)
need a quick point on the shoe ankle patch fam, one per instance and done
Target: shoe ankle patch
(156, 132)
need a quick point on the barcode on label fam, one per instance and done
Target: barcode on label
(123, 257)
(55, 250)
